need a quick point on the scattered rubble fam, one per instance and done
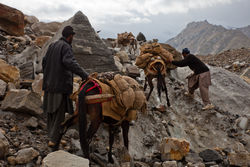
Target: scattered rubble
(219, 137)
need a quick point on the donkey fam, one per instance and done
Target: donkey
(96, 118)
(158, 71)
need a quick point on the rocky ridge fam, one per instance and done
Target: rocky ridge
(204, 38)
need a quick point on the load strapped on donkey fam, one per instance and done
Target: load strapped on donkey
(127, 39)
(114, 100)
(153, 59)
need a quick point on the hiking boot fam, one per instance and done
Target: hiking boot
(189, 94)
(208, 107)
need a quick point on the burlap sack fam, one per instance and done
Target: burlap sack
(166, 56)
(128, 98)
(146, 48)
(121, 83)
(152, 70)
(143, 59)
(131, 115)
(140, 99)
(132, 82)
(116, 91)
(176, 55)
(156, 49)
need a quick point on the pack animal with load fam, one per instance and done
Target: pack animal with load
(113, 101)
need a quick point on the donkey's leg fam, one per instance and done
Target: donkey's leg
(166, 91)
(111, 142)
(145, 84)
(96, 119)
(125, 129)
(151, 87)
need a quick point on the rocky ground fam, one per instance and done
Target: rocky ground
(180, 135)
(234, 60)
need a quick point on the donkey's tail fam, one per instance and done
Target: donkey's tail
(159, 82)
(83, 123)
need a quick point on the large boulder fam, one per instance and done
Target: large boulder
(26, 155)
(246, 75)
(30, 20)
(209, 155)
(89, 50)
(27, 61)
(228, 91)
(174, 149)
(37, 84)
(8, 73)
(4, 146)
(47, 29)
(64, 159)
(3, 87)
(141, 37)
(239, 159)
(11, 20)
(22, 100)
(41, 40)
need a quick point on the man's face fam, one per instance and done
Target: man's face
(184, 54)
(70, 39)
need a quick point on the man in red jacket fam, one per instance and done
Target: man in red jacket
(199, 79)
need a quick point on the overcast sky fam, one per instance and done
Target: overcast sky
(162, 19)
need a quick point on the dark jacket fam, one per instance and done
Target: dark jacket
(193, 63)
(59, 65)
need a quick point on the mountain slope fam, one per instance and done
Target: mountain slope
(205, 38)
(245, 30)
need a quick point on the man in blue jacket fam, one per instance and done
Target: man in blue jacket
(59, 65)
(199, 79)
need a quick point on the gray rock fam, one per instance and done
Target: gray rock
(195, 164)
(37, 84)
(30, 19)
(11, 86)
(22, 100)
(228, 91)
(193, 158)
(3, 87)
(209, 155)
(133, 71)
(64, 159)
(32, 122)
(140, 164)
(157, 164)
(243, 123)
(27, 61)
(141, 37)
(169, 164)
(2, 38)
(210, 163)
(27, 70)
(123, 56)
(239, 159)
(41, 28)
(26, 155)
(4, 146)
(89, 50)
(72, 133)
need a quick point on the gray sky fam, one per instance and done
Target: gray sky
(162, 19)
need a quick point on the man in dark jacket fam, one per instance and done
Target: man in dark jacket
(200, 78)
(59, 65)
